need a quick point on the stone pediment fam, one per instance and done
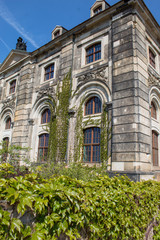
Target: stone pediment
(13, 57)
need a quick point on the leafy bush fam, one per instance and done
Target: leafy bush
(61, 206)
(74, 170)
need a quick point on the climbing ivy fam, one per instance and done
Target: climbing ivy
(106, 134)
(104, 123)
(58, 126)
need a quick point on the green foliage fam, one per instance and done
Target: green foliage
(106, 129)
(12, 154)
(61, 206)
(73, 170)
(106, 134)
(58, 126)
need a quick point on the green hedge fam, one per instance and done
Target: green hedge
(105, 208)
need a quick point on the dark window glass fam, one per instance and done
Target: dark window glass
(93, 106)
(12, 87)
(152, 58)
(155, 148)
(93, 53)
(49, 72)
(43, 147)
(8, 123)
(91, 150)
(57, 33)
(98, 9)
(153, 111)
(46, 116)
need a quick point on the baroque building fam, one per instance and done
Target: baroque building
(114, 58)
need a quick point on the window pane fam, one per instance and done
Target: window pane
(43, 146)
(47, 140)
(153, 111)
(87, 136)
(91, 149)
(49, 72)
(93, 53)
(87, 153)
(97, 47)
(96, 135)
(93, 106)
(96, 153)
(41, 140)
(155, 148)
(46, 116)
(97, 56)
(97, 105)
(8, 123)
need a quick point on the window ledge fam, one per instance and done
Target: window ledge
(47, 81)
(92, 63)
(92, 115)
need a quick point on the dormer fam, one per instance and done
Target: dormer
(59, 30)
(98, 6)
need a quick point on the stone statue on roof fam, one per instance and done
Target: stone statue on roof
(21, 45)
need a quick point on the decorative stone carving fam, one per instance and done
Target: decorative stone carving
(154, 78)
(9, 103)
(97, 74)
(46, 91)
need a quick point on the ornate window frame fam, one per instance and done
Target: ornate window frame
(103, 40)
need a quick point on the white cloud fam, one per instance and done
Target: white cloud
(10, 19)
(5, 44)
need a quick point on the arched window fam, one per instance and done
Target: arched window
(49, 72)
(46, 116)
(43, 147)
(8, 123)
(93, 53)
(155, 148)
(91, 149)
(153, 111)
(93, 106)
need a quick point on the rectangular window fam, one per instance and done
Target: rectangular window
(155, 148)
(43, 147)
(93, 53)
(91, 150)
(152, 58)
(12, 87)
(49, 72)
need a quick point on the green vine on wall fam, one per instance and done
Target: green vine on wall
(106, 134)
(58, 126)
(104, 123)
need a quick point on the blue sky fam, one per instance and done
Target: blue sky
(34, 20)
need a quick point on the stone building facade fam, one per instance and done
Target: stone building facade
(114, 58)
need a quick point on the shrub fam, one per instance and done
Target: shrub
(103, 208)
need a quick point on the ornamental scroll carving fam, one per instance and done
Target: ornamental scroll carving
(96, 74)
(46, 91)
(9, 102)
(154, 78)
